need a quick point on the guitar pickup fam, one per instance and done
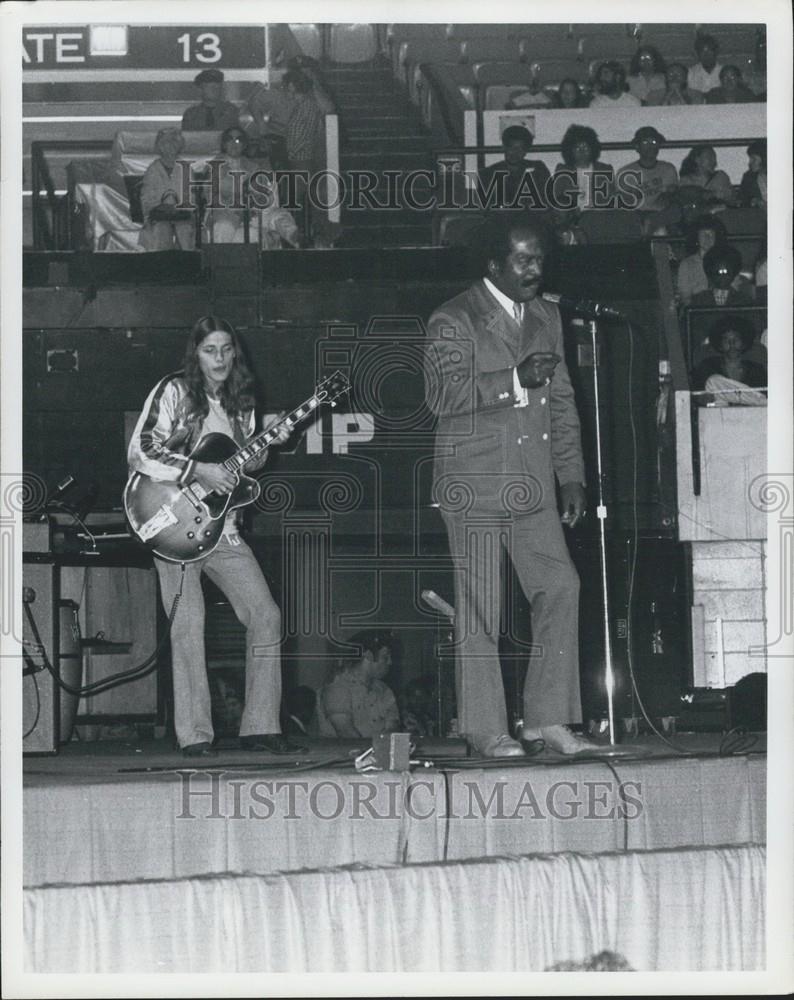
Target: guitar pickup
(164, 518)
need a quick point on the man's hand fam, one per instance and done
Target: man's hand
(215, 478)
(572, 497)
(537, 369)
(283, 432)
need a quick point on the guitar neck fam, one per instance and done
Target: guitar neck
(258, 444)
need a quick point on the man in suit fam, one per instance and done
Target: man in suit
(507, 435)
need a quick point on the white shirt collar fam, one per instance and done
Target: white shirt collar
(506, 303)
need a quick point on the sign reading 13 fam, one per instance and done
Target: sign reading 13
(204, 47)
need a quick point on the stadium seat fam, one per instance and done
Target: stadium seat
(456, 229)
(494, 49)
(616, 225)
(352, 43)
(309, 38)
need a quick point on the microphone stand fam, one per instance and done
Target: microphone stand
(601, 512)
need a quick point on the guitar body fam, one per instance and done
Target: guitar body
(176, 524)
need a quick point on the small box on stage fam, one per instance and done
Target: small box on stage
(392, 751)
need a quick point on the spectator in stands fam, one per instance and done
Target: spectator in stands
(267, 225)
(722, 265)
(731, 90)
(752, 190)
(675, 90)
(213, 114)
(730, 337)
(699, 169)
(646, 72)
(655, 178)
(610, 86)
(705, 74)
(304, 132)
(569, 95)
(356, 702)
(533, 96)
(581, 181)
(704, 233)
(420, 707)
(507, 176)
(760, 276)
(165, 225)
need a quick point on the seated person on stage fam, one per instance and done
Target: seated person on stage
(722, 265)
(356, 702)
(212, 394)
(267, 226)
(213, 114)
(420, 707)
(165, 226)
(646, 72)
(752, 189)
(569, 95)
(699, 169)
(705, 74)
(675, 90)
(507, 177)
(729, 371)
(732, 89)
(703, 234)
(610, 87)
(654, 177)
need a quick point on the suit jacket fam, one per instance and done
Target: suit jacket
(491, 456)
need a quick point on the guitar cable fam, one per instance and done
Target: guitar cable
(123, 677)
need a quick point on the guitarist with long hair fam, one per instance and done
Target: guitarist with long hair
(213, 394)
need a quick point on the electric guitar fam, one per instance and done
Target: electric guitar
(184, 522)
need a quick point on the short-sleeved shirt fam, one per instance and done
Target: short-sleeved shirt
(372, 707)
(698, 78)
(654, 182)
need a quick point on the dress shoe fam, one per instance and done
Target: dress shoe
(199, 750)
(500, 746)
(561, 739)
(270, 743)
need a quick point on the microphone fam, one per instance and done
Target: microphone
(595, 310)
(438, 604)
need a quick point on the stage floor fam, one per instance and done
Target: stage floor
(139, 810)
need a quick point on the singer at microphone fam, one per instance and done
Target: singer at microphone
(585, 307)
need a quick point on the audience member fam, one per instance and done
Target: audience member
(731, 90)
(569, 95)
(581, 181)
(166, 225)
(752, 190)
(532, 96)
(646, 72)
(704, 233)
(267, 225)
(610, 87)
(654, 177)
(213, 114)
(730, 337)
(356, 702)
(705, 74)
(755, 78)
(760, 276)
(507, 175)
(722, 265)
(304, 132)
(699, 169)
(675, 90)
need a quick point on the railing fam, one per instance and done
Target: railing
(52, 215)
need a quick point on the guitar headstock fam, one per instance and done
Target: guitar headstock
(332, 387)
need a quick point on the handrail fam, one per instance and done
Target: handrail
(546, 147)
(439, 93)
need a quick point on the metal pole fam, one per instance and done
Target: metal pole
(609, 672)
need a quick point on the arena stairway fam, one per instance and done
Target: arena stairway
(380, 131)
